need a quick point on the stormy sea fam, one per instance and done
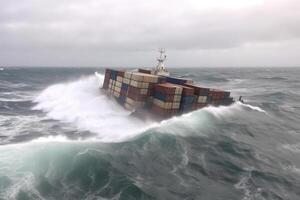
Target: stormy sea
(62, 138)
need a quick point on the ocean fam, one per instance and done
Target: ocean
(62, 138)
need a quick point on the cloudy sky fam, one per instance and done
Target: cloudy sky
(196, 33)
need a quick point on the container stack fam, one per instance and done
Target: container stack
(178, 81)
(114, 82)
(166, 99)
(132, 90)
(201, 94)
(164, 96)
(140, 89)
(145, 71)
(188, 99)
(219, 97)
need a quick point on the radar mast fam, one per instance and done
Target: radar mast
(160, 68)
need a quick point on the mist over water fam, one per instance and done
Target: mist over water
(62, 138)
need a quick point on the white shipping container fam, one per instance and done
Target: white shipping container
(177, 98)
(136, 84)
(178, 90)
(151, 78)
(120, 78)
(175, 105)
(189, 81)
(145, 85)
(126, 81)
(202, 99)
(168, 105)
(128, 75)
(133, 83)
(118, 89)
(118, 84)
(116, 94)
(137, 77)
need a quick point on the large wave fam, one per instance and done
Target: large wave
(82, 104)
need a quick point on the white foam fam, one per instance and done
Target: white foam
(256, 108)
(82, 104)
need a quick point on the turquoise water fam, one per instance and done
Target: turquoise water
(61, 138)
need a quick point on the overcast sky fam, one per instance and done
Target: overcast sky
(195, 33)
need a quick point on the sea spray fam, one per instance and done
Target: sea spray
(82, 104)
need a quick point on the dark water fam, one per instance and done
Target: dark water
(61, 138)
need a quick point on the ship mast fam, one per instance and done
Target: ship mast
(160, 68)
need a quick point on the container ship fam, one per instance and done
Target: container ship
(157, 94)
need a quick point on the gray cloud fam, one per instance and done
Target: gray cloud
(94, 32)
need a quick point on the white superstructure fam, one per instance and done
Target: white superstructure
(160, 68)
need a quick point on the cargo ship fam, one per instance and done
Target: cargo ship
(157, 94)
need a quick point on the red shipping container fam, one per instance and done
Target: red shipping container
(187, 91)
(137, 97)
(145, 71)
(121, 73)
(200, 91)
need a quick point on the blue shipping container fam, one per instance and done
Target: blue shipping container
(124, 87)
(174, 80)
(187, 100)
(159, 95)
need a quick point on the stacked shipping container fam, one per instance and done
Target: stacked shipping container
(163, 96)
(132, 90)
(166, 99)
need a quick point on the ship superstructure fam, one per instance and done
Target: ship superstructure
(160, 69)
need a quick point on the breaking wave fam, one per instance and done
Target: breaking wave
(82, 104)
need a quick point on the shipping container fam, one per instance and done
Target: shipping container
(164, 96)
